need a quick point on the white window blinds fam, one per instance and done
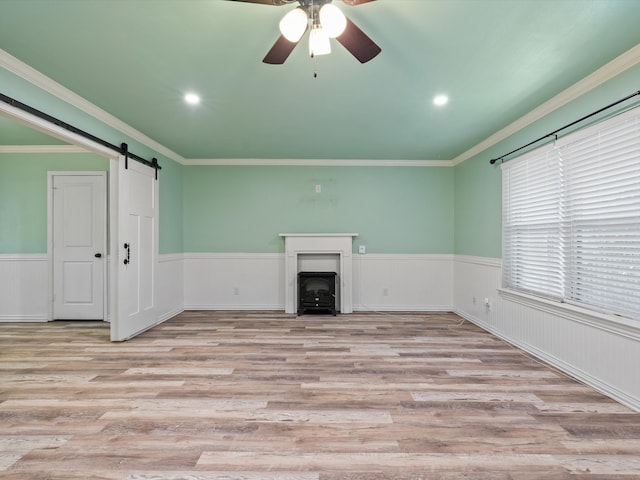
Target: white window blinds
(571, 218)
(532, 224)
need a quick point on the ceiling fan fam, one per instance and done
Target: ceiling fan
(326, 21)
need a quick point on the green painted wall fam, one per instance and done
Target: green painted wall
(244, 208)
(23, 198)
(478, 185)
(478, 208)
(23, 195)
(170, 224)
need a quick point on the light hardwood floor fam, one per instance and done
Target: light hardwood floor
(269, 396)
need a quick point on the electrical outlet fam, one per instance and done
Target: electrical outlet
(318, 188)
(362, 249)
(385, 292)
(236, 291)
(487, 304)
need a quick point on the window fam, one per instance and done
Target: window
(571, 218)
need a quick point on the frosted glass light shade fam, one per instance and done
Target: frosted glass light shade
(318, 42)
(294, 24)
(192, 98)
(332, 20)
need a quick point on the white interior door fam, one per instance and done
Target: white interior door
(79, 245)
(135, 248)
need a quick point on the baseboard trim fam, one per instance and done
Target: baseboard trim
(23, 318)
(237, 307)
(403, 308)
(170, 314)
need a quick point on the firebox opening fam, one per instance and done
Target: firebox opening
(317, 292)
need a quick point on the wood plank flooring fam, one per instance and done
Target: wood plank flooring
(269, 396)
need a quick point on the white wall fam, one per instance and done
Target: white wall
(420, 283)
(233, 281)
(239, 281)
(210, 281)
(24, 287)
(601, 351)
(169, 286)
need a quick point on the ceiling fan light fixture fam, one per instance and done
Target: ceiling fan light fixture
(318, 41)
(192, 98)
(332, 20)
(440, 100)
(294, 24)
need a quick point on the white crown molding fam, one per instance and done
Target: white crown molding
(615, 67)
(42, 149)
(49, 85)
(317, 162)
(33, 76)
(612, 69)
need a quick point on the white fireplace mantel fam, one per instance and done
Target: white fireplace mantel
(340, 244)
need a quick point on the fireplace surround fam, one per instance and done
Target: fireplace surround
(318, 244)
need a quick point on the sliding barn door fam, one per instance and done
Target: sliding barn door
(137, 244)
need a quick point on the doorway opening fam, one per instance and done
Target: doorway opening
(132, 233)
(77, 245)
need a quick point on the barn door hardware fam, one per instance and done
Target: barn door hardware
(127, 247)
(70, 128)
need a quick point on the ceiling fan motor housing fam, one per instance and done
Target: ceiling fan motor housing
(349, 35)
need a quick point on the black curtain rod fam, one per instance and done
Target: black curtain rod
(122, 149)
(494, 160)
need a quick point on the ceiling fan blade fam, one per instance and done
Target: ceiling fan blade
(279, 52)
(358, 43)
(265, 2)
(356, 2)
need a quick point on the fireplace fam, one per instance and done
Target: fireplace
(304, 251)
(317, 292)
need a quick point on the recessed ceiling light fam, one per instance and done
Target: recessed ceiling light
(192, 99)
(440, 100)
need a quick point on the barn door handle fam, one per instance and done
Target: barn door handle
(98, 255)
(128, 249)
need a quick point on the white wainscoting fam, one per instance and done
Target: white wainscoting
(170, 286)
(403, 282)
(234, 281)
(24, 288)
(250, 281)
(600, 351)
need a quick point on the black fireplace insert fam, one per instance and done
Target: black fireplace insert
(317, 292)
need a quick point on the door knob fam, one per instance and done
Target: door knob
(98, 255)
